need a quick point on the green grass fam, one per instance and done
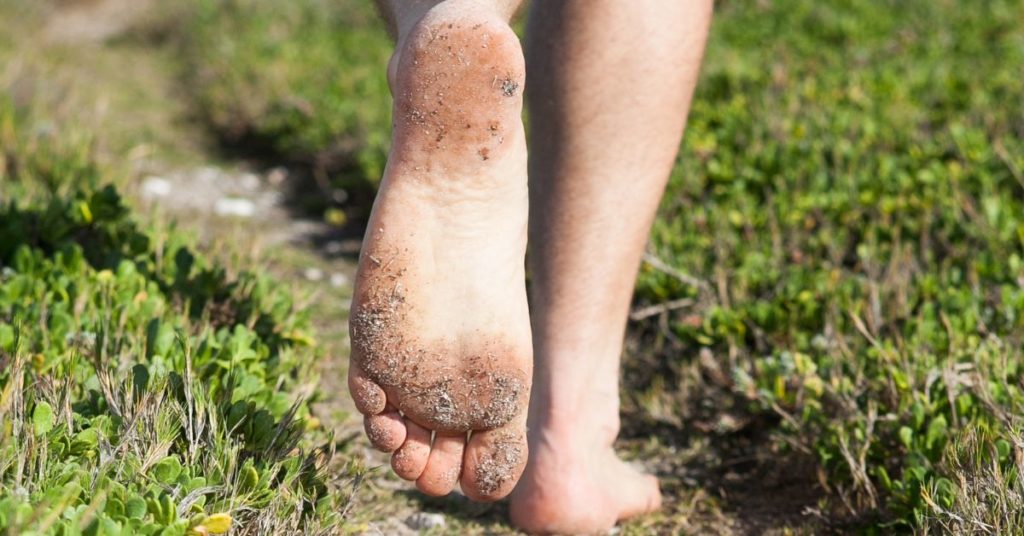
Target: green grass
(143, 389)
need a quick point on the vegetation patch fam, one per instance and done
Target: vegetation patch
(143, 389)
(844, 234)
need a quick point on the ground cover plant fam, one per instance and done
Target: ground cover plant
(143, 389)
(847, 221)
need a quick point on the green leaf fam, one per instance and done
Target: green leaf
(906, 436)
(42, 418)
(249, 478)
(883, 475)
(155, 508)
(1003, 450)
(115, 508)
(936, 434)
(168, 508)
(6, 337)
(140, 378)
(167, 470)
(84, 441)
(135, 508)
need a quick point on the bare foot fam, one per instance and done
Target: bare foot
(440, 329)
(575, 484)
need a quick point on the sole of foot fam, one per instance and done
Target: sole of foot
(441, 354)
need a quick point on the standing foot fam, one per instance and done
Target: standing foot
(575, 483)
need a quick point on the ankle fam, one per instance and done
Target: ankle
(588, 420)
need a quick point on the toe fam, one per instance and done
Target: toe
(443, 466)
(386, 430)
(494, 461)
(368, 396)
(411, 458)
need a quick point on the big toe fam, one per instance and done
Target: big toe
(494, 461)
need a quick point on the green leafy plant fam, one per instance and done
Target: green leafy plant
(142, 389)
(847, 218)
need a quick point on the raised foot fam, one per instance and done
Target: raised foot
(441, 351)
(579, 491)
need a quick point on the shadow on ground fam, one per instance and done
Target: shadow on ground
(720, 468)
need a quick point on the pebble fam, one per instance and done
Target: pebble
(234, 206)
(425, 521)
(277, 175)
(334, 247)
(249, 181)
(207, 174)
(313, 274)
(154, 186)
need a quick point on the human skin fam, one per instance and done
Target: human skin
(610, 89)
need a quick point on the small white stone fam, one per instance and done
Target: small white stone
(207, 174)
(333, 247)
(271, 199)
(338, 279)
(277, 175)
(153, 186)
(234, 206)
(313, 274)
(249, 181)
(425, 521)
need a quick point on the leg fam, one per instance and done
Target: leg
(441, 344)
(610, 87)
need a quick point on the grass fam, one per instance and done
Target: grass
(833, 280)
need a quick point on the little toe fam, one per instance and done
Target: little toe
(410, 459)
(369, 397)
(494, 461)
(443, 466)
(385, 430)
